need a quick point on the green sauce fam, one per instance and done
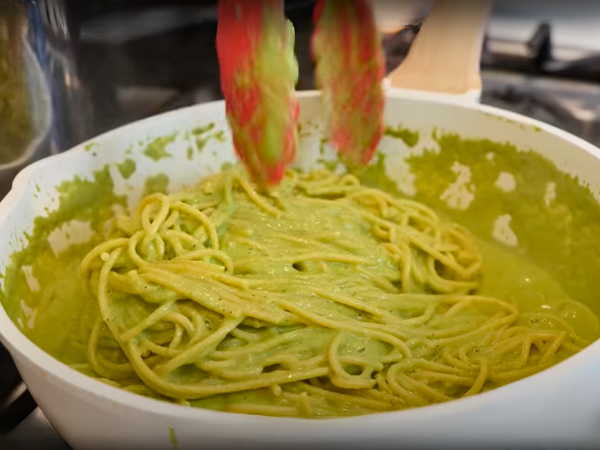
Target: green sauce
(561, 235)
(157, 183)
(203, 135)
(202, 130)
(126, 168)
(410, 138)
(556, 220)
(173, 438)
(156, 149)
(557, 257)
(57, 307)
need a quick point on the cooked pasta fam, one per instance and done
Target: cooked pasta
(321, 298)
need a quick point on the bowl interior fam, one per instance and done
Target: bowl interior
(526, 186)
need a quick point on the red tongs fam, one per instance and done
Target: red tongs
(255, 46)
(350, 70)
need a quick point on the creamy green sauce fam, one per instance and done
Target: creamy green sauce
(202, 130)
(557, 258)
(157, 149)
(56, 308)
(126, 168)
(410, 138)
(203, 135)
(561, 235)
(173, 438)
(156, 183)
(89, 146)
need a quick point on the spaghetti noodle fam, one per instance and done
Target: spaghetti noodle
(321, 298)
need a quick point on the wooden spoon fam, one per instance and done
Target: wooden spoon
(445, 55)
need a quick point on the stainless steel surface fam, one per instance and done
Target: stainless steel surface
(108, 63)
(24, 97)
(35, 432)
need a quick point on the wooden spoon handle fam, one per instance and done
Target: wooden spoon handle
(446, 53)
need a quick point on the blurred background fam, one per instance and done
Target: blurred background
(72, 69)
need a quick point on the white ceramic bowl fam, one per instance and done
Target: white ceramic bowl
(558, 408)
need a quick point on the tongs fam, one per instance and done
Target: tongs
(259, 71)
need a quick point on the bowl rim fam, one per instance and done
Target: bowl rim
(17, 343)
